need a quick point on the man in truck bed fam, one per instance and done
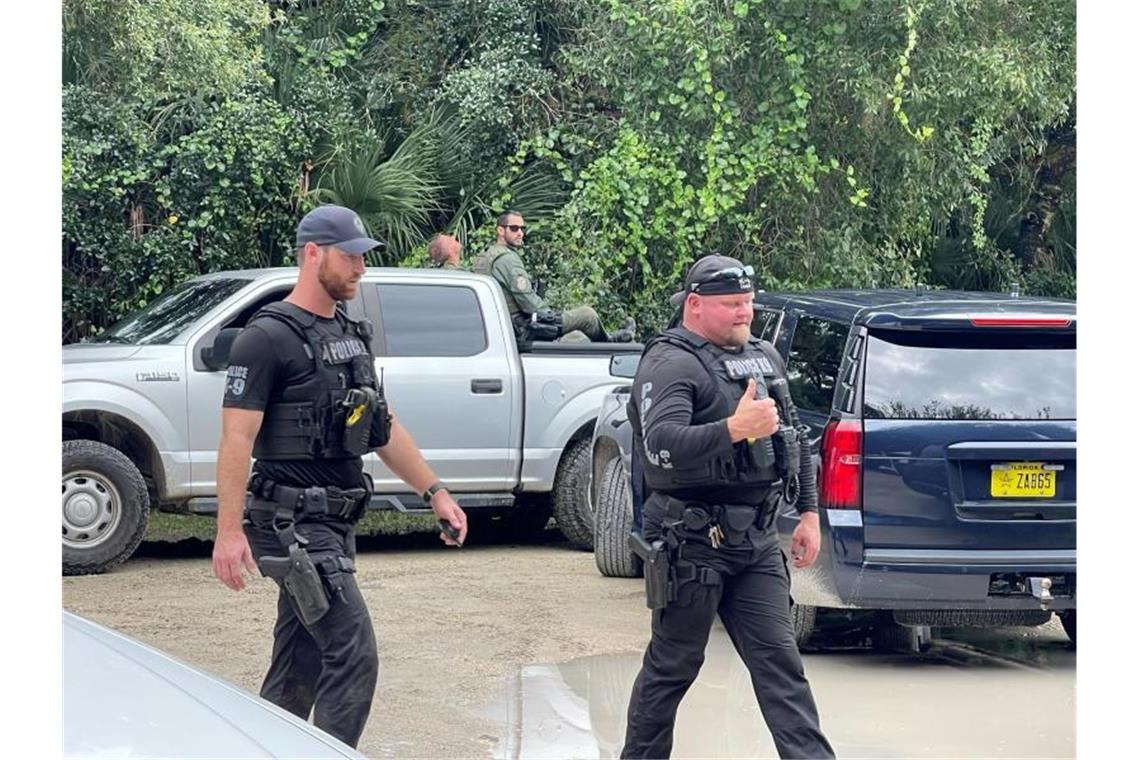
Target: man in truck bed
(301, 396)
(532, 318)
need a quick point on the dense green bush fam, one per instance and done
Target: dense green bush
(827, 142)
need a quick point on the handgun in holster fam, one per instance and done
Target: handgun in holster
(655, 559)
(300, 579)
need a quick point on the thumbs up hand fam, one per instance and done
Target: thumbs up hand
(753, 418)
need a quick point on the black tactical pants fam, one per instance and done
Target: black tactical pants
(329, 668)
(752, 598)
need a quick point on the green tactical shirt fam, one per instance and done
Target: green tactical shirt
(506, 266)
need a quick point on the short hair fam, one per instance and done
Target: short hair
(503, 217)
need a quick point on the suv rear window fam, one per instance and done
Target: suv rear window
(971, 376)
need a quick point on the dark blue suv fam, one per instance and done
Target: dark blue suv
(945, 424)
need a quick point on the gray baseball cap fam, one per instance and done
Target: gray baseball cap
(337, 226)
(715, 275)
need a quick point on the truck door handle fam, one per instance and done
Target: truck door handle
(487, 385)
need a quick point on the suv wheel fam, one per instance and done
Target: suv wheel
(571, 497)
(105, 507)
(613, 521)
(803, 623)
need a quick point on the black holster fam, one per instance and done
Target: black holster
(299, 577)
(655, 558)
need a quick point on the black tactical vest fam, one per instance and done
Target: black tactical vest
(312, 420)
(750, 466)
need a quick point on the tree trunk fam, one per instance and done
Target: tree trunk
(1058, 160)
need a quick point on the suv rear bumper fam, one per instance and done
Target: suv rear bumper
(847, 576)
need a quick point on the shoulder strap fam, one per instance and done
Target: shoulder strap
(293, 317)
(287, 314)
(773, 355)
(687, 341)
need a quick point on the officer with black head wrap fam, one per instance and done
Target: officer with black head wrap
(717, 462)
(302, 398)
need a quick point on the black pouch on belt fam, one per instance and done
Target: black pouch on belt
(299, 576)
(361, 405)
(735, 520)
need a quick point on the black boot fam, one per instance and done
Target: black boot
(626, 334)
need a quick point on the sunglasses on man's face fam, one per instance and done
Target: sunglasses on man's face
(515, 227)
(721, 275)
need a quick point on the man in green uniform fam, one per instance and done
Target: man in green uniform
(445, 252)
(504, 262)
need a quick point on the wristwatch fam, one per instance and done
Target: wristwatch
(432, 490)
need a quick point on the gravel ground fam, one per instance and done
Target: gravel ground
(451, 626)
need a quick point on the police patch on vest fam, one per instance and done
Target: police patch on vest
(741, 369)
(342, 351)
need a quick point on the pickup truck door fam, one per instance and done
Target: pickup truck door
(452, 376)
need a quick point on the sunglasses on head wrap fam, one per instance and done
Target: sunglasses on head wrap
(729, 279)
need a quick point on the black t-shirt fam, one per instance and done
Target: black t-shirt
(266, 358)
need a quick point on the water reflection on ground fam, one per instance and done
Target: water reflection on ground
(977, 693)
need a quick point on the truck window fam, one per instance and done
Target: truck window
(813, 361)
(971, 376)
(431, 320)
(164, 318)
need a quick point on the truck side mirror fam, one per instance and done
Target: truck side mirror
(217, 355)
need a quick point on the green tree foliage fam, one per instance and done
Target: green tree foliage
(826, 142)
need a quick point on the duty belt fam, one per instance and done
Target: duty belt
(311, 502)
(731, 519)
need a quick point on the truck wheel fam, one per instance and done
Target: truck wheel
(803, 623)
(571, 497)
(1069, 623)
(613, 521)
(105, 507)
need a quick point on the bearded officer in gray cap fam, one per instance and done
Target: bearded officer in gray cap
(302, 398)
(706, 437)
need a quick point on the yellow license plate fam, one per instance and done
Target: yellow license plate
(1019, 480)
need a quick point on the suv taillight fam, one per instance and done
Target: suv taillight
(841, 485)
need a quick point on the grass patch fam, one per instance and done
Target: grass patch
(165, 526)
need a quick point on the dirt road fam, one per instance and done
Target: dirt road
(486, 610)
(526, 651)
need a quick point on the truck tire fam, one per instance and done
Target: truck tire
(571, 497)
(105, 507)
(803, 623)
(1069, 623)
(613, 521)
(889, 636)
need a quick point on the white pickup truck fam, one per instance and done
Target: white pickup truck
(507, 430)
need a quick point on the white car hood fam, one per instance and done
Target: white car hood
(124, 699)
